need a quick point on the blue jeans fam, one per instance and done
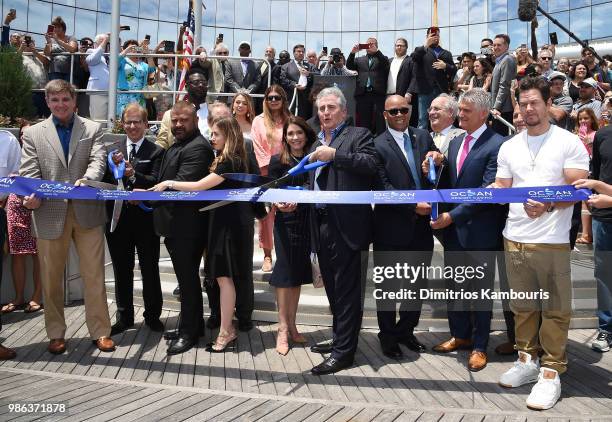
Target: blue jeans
(424, 101)
(602, 239)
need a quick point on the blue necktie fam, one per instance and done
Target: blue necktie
(411, 163)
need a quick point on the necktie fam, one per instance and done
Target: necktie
(464, 152)
(410, 159)
(370, 62)
(132, 153)
(438, 138)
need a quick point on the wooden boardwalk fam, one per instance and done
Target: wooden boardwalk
(252, 382)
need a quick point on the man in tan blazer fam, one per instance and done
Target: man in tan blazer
(68, 148)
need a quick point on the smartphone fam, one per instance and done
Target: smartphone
(220, 37)
(13, 11)
(364, 46)
(28, 40)
(124, 28)
(325, 50)
(169, 46)
(553, 38)
(50, 29)
(185, 24)
(148, 37)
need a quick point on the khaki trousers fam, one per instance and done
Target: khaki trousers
(541, 325)
(52, 255)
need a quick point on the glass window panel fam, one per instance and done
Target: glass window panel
(498, 10)
(278, 40)
(167, 31)
(478, 11)
(443, 12)
(422, 13)
(458, 39)
(403, 15)
(349, 39)
(579, 3)
(278, 15)
(601, 18)
(39, 16)
(332, 40)
(66, 2)
(459, 13)
(314, 41)
(133, 32)
(149, 27)
(386, 43)
(225, 13)
(580, 22)
(241, 35)
(244, 14)
(129, 7)
(87, 4)
(149, 8)
(444, 38)
(261, 14)
(496, 28)
(367, 16)
(350, 16)
(541, 32)
(294, 38)
(386, 15)
(333, 17)
(228, 39)
(297, 16)
(543, 5)
(67, 14)
(563, 19)
(105, 5)
(208, 38)
(103, 24)
(183, 8)
(314, 16)
(209, 15)
(477, 33)
(599, 2)
(260, 39)
(512, 9)
(517, 31)
(557, 5)
(86, 20)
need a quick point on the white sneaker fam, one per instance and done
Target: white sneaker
(524, 371)
(603, 342)
(546, 392)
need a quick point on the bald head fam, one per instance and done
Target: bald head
(183, 120)
(397, 112)
(216, 111)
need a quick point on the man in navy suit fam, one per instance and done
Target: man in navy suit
(471, 231)
(401, 229)
(298, 73)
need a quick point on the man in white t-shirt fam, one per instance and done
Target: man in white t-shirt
(536, 241)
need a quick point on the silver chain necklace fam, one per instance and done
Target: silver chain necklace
(532, 156)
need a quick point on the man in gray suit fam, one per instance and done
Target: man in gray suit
(242, 75)
(68, 148)
(442, 114)
(503, 74)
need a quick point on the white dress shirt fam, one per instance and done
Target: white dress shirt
(394, 69)
(10, 155)
(475, 135)
(399, 139)
(303, 81)
(129, 144)
(203, 119)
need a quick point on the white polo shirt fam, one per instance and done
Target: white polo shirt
(554, 151)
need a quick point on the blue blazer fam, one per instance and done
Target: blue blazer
(475, 226)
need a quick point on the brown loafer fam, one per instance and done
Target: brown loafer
(477, 361)
(505, 349)
(6, 353)
(57, 346)
(453, 344)
(105, 344)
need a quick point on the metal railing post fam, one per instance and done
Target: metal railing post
(113, 64)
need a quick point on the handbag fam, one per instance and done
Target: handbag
(317, 278)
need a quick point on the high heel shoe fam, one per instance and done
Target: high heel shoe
(223, 340)
(282, 342)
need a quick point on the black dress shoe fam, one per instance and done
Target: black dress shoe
(412, 343)
(119, 327)
(181, 345)
(331, 365)
(390, 349)
(245, 324)
(213, 322)
(174, 334)
(176, 292)
(322, 347)
(155, 325)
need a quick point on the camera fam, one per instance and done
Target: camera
(487, 51)
(28, 40)
(336, 58)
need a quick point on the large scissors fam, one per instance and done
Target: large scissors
(302, 167)
(435, 180)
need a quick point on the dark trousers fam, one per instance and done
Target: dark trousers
(135, 232)
(344, 274)
(469, 319)
(186, 255)
(369, 108)
(501, 128)
(420, 250)
(245, 290)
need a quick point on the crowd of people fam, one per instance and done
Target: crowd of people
(409, 108)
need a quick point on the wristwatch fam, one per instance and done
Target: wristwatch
(551, 207)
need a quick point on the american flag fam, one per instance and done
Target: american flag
(187, 46)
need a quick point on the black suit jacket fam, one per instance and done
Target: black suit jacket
(235, 78)
(353, 168)
(394, 224)
(378, 72)
(404, 76)
(290, 76)
(426, 78)
(188, 160)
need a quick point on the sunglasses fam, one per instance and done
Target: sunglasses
(273, 98)
(396, 111)
(546, 58)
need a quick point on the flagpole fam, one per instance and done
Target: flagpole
(197, 11)
(435, 13)
(113, 63)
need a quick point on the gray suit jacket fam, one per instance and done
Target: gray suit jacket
(42, 157)
(237, 80)
(503, 74)
(452, 134)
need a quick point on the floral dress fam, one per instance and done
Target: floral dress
(21, 241)
(132, 76)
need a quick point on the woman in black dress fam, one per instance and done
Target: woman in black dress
(291, 234)
(227, 246)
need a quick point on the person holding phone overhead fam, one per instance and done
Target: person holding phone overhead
(372, 73)
(58, 44)
(133, 73)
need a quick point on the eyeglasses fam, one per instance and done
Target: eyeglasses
(222, 53)
(396, 111)
(273, 98)
(545, 58)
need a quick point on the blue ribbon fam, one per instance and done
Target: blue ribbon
(56, 190)
(118, 172)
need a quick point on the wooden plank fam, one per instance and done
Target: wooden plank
(212, 412)
(255, 414)
(368, 414)
(330, 382)
(471, 417)
(22, 342)
(346, 414)
(106, 406)
(263, 373)
(66, 362)
(184, 413)
(123, 344)
(388, 415)
(157, 359)
(279, 375)
(169, 375)
(408, 416)
(166, 406)
(187, 369)
(147, 357)
(248, 377)
(303, 412)
(135, 351)
(96, 398)
(217, 368)
(232, 368)
(43, 393)
(494, 418)
(324, 413)
(237, 411)
(281, 413)
(128, 411)
(201, 377)
(430, 417)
